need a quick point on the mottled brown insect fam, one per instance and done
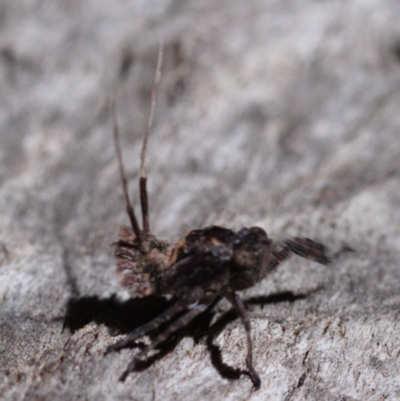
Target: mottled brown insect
(197, 269)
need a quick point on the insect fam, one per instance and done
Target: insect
(196, 270)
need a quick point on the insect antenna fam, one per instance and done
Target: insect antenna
(129, 207)
(143, 177)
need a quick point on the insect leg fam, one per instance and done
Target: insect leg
(171, 329)
(242, 312)
(168, 314)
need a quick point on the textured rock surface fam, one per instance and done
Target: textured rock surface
(278, 114)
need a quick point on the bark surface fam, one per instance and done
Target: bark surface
(279, 114)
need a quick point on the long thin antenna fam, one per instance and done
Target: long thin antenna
(129, 207)
(143, 177)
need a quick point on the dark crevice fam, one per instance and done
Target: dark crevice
(396, 50)
(127, 62)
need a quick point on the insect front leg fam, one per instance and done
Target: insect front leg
(180, 305)
(171, 329)
(146, 328)
(237, 302)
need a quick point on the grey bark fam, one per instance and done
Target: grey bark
(282, 114)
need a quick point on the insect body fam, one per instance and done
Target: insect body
(197, 269)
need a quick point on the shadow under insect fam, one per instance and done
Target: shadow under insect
(123, 317)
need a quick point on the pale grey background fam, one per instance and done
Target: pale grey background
(283, 114)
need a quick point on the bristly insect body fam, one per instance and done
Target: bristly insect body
(197, 269)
